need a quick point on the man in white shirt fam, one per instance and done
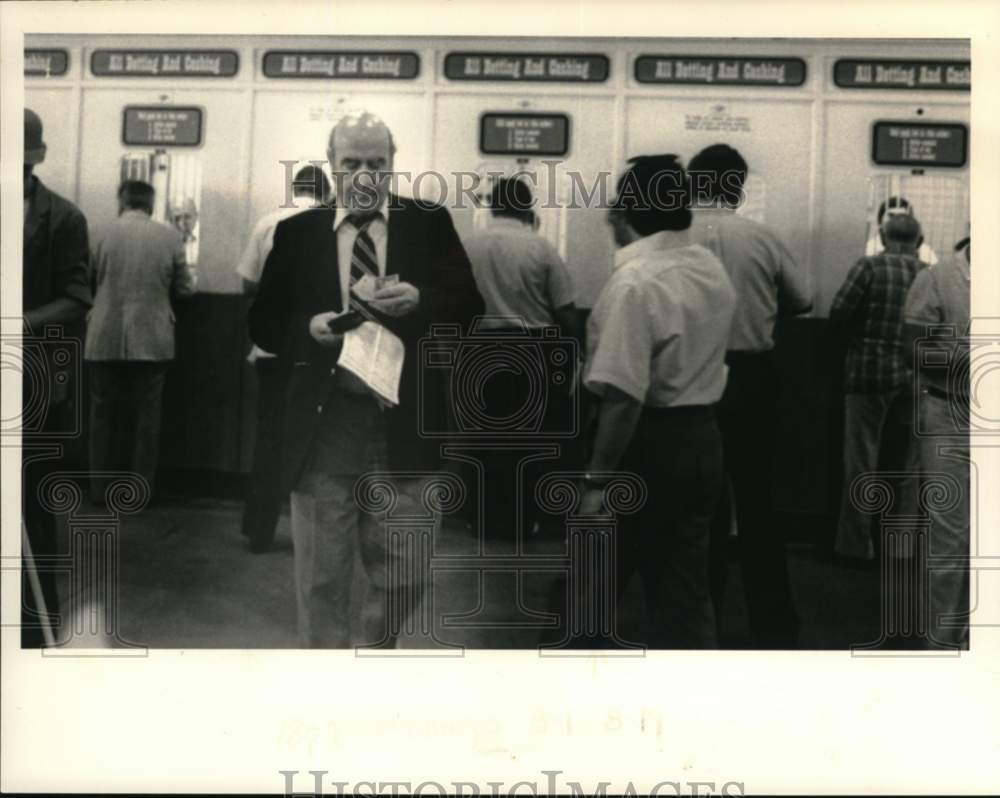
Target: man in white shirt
(769, 286)
(310, 188)
(520, 274)
(941, 298)
(526, 288)
(656, 347)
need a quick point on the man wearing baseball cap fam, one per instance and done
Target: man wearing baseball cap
(55, 293)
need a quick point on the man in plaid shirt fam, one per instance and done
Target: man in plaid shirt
(878, 406)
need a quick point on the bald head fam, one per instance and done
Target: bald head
(360, 127)
(901, 233)
(360, 151)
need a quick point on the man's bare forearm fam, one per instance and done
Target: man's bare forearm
(617, 418)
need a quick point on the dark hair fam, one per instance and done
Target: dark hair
(511, 196)
(892, 202)
(135, 194)
(310, 179)
(717, 173)
(902, 229)
(654, 194)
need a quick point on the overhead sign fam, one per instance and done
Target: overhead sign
(718, 71)
(524, 134)
(327, 64)
(849, 73)
(50, 63)
(162, 126)
(527, 67)
(920, 144)
(165, 63)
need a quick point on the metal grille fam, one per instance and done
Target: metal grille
(939, 203)
(176, 179)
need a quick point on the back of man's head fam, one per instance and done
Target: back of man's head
(136, 195)
(511, 197)
(654, 195)
(310, 181)
(901, 231)
(893, 206)
(717, 174)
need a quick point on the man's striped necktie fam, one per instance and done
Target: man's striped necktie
(364, 261)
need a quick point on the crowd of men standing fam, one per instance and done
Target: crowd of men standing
(678, 368)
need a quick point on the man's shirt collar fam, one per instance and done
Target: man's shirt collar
(342, 213)
(640, 247)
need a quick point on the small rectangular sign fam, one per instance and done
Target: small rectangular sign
(165, 63)
(849, 73)
(47, 63)
(345, 65)
(162, 126)
(524, 134)
(527, 67)
(718, 71)
(915, 144)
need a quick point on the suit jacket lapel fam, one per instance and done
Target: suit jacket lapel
(395, 248)
(328, 261)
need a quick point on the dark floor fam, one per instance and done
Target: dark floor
(187, 580)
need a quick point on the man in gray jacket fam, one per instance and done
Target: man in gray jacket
(139, 265)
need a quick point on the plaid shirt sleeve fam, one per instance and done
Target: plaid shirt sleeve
(848, 299)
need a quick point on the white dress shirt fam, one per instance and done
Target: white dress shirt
(659, 328)
(251, 262)
(378, 230)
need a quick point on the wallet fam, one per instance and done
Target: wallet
(345, 323)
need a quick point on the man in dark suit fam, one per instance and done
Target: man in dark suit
(56, 293)
(335, 429)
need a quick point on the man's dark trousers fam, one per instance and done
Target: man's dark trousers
(678, 454)
(265, 493)
(129, 389)
(41, 526)
(748, 419)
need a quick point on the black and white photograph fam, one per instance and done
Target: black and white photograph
(347, 356)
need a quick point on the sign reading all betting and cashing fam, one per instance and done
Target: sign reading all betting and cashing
(340, 64)
(527, 67)
(720, 71)
(850, 73)
(165, 63)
